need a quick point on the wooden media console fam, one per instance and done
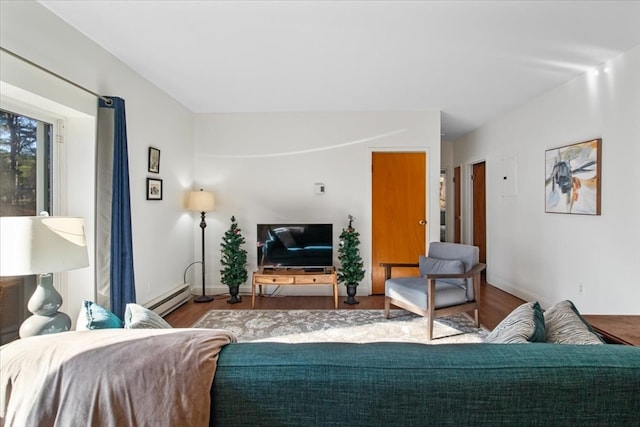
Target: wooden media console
(294, 277)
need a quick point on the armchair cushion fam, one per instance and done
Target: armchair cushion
(524, 324)
(430, 265)
(445, 250)
(413, 290)
(468, 254)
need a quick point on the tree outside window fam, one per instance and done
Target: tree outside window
(25, 146)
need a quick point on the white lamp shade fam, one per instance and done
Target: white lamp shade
(201, 201)
(41, 244)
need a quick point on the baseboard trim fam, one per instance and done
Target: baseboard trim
(520, 293)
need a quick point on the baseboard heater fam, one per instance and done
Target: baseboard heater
(170, 300)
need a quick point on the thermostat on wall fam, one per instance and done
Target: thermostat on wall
(318, 188)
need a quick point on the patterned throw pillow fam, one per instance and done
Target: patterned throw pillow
(94, 316)
(564, 325)
(522, 325)
(139, 317)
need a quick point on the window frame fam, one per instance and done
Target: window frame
(58, 158)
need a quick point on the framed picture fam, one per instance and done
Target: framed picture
(154, 189)
(154, 160)
(572, 178)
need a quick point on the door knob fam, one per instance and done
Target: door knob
(422, 222)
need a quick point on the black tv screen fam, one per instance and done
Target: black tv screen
(295, 245)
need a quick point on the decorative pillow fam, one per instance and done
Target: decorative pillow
(430, 265)
(564, 325)
(94, 316)
(139, 317)
(522, 325)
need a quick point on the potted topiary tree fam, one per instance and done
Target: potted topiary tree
(351, 270)
(234, 261)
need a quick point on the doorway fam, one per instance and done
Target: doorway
(443, 205)
(398, 181)
(457, 205)
(478, 179)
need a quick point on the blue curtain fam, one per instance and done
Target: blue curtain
(114, 209)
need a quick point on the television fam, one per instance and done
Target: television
(308, 246)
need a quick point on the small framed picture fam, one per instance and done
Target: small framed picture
(154, 160)
(154, 189)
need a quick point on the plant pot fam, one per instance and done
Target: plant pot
(351, 293)
(233, 291)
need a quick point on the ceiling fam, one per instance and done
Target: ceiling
(473, 60)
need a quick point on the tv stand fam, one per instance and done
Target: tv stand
(294, 276)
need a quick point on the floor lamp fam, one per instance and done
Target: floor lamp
(42, 245)
(202, 201)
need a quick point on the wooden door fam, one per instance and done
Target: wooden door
(457, 206)
(398, 212)
(479, 210)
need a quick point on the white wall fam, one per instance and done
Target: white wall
(163, 238)
(262, 168)
(547, 257)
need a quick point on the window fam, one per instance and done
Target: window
(25, 165)
(26, 172)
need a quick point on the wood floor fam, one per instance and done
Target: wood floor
(495, 305)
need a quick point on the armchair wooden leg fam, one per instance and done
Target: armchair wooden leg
(387, 306)
(431, 307)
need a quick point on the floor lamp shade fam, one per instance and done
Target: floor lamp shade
(202, 201)
(42, 245)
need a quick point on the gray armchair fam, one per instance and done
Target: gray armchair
(449, 283)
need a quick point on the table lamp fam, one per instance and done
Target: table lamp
(42, 245)
(202, 201)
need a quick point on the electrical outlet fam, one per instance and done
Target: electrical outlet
(581, 288)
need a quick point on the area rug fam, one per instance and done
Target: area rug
(359, 326)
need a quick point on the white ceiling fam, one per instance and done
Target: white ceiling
(474, 60)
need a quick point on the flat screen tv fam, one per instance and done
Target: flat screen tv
(295, 245)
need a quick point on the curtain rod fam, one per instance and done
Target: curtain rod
(40, 67)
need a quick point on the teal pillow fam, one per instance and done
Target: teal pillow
(139, 317)
(94, 316)
(565, 325)
(524, 324)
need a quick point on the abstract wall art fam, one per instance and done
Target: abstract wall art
(572, 178)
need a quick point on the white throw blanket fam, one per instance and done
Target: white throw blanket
(110, 377)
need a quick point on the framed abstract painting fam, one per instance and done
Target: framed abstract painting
(572, 178)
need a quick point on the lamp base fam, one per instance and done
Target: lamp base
(203, 298)
(44, 304)
(41, 325)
